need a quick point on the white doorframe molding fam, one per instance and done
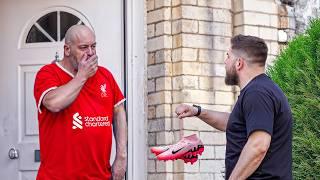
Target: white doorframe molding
(136, 83)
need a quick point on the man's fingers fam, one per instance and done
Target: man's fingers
(93, 58)
(84, 57)
(185, 114)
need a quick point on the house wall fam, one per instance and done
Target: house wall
(187, 43)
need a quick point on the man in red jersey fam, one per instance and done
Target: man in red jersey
(79, 102)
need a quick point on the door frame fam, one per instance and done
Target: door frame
(136, 87)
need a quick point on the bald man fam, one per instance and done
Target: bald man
(79, 102)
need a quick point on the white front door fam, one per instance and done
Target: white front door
(31, 35)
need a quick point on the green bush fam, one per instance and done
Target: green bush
(297, 71)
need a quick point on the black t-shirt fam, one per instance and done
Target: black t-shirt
(262, 106)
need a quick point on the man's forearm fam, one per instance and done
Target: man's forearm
(63, 96)
(120, 131)
(215, 119)
(251, 156)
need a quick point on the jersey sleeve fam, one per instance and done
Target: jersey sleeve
(118, 96)
(258, 112)
(45, 81)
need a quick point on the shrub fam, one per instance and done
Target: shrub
(297, 71)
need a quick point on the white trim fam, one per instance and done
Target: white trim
(63, 69)
(58, 26)
(136, 65)
(42, 95)
(120, 102)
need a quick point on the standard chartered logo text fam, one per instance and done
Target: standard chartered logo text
(96, 121)
(90, 121)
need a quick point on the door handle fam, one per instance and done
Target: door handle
(13, 153)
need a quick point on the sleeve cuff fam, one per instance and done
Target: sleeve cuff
(42, 96)
(120, 102)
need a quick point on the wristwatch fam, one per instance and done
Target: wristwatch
(199, 109)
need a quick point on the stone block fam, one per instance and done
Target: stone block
(163, 83)
(151, 59)
(151, 139)
(151, 166)
(195, 12)
(161, 97)
(208, 153)
(163, 110)
(159, 70)
(184, 54)
(213, 138)
(150, 5)
(220, 152)
(223, 4)
(237, 6)
(251, 18)
(161, 42)
(221, 43)
(162, 3)
(186, 68)
(222, 15)
(220, 85)
(184, 2)
(211, 166)
(212, 56)
(151, 112)
(274, 21)
(197, 41)
(185, 82)
(164, 138)
(247, 30)
(268, 33)
(176, 13)
(150, 30)
(215, 28)
(265, 6)
(184, 25)
(164, 167)
(162, 28)
(224, 98)
(159, 15)
(162, 56)
(151, 85)
(193, 96)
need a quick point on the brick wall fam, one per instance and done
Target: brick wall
(187, 43)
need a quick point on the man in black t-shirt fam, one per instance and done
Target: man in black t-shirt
(259, 128)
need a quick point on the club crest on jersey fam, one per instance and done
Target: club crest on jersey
(103, 89)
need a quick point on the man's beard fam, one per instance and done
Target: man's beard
(74, 63)
(232, 77)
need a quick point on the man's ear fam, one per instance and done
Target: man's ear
(240, 63)
(66, 50)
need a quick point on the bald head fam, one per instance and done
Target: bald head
(75, 32)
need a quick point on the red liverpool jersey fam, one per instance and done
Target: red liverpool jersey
(75, 143)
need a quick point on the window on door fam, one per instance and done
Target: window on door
(51, 27)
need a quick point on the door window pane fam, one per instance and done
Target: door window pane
(49, 24)
(67, 20)
(35, 35)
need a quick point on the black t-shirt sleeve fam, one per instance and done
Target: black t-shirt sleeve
(258, 111)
